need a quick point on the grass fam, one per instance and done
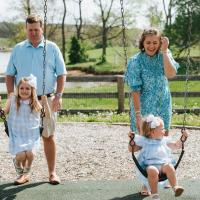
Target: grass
(112, 117)
(111, 104)
(175, 86)
(178, 86)
(115, 60)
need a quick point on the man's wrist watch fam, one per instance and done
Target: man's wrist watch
(59, 95)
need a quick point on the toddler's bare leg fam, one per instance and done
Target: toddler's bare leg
(153, 174)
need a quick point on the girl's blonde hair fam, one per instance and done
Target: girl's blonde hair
(146, 126)
(34, 103)
(148, 32)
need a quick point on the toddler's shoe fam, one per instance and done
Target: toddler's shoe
(178, 190)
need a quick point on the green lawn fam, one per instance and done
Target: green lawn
(116, 61)
(178, 86)
(111, 117)
(175, 86)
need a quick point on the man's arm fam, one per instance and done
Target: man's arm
(57, 102)
(10, 83)
(60, 84)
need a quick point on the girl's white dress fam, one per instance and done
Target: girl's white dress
(23, 126)
(154, 152)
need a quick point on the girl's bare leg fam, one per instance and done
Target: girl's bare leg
(18, 162)
(153, 174)
(170, 172)
(29, 158)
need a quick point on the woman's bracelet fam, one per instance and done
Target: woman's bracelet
(137, 112)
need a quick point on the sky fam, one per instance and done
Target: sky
(88, 11)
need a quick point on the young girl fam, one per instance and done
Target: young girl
(155, 155)
(23, 124)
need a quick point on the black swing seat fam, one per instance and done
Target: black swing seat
(3, 117)
(162, 177)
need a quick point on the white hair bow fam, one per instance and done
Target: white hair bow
(154, 121)
(32, 81)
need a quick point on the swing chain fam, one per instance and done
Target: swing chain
(42, 115)
(44, 49)
(189, 10)
(2, 114)
(124, 40)
(132, 141)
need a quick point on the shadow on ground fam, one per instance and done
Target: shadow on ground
(9, 191)
(135, 196)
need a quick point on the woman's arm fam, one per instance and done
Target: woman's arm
(136, 103)
(168, 65)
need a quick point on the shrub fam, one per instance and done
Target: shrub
(77, 52)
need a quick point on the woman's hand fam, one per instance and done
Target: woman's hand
(184, 135)
(164, 44)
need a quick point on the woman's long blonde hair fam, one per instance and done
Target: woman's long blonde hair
(34, 103)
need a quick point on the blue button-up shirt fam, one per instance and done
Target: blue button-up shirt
(26, 59)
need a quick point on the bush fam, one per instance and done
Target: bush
(77, 53)
(194, 68)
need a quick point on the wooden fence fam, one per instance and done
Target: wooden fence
(120, 94)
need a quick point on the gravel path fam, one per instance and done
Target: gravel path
(89, 151)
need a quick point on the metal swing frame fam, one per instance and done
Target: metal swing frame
(162, 177)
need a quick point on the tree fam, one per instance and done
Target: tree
(77, 52)
(155, 16)
(188, 17)
(168, 11)
(105, 16)
(108, 23)
(79, 20)
(63, 30)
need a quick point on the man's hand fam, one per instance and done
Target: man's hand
(56, 104)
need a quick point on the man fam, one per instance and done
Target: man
(27, 58)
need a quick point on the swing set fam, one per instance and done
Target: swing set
(162, 177)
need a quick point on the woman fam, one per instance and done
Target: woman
(146, 76)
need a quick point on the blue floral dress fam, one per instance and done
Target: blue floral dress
(146, 74)
(23, 126)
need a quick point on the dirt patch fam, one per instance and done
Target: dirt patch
(77, 73)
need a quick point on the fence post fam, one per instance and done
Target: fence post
(121, 94)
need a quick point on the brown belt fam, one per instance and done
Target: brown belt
(48, 95)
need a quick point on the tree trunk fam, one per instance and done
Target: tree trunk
(104, 41)
(28, 7)
(79, 26)
(63, 30)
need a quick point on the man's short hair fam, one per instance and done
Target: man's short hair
(34, 18)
